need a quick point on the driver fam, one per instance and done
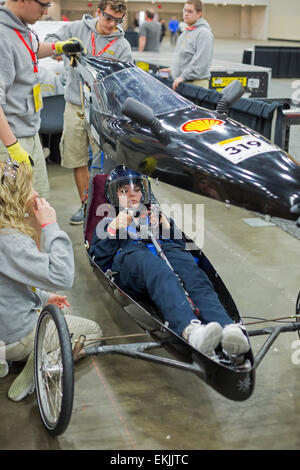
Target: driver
(199, 317)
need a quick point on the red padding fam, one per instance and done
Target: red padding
(98, 198)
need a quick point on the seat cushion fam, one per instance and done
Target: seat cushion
(98, 198)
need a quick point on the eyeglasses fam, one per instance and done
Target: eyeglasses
(187, 12)
(44, 5)
(110, 17)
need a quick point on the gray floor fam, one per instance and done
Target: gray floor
(123, 404)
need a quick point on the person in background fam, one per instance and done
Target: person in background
(182, 27)
(163, 29)
(103, 37)
(136, 26)
(173, 28)
(33, 263)
(194, 49)
(150, 31)
(20, 90)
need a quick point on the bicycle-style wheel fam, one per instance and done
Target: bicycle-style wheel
(54, 370)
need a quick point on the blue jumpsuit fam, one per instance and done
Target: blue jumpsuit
(140, 271)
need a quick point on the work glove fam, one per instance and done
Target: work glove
(16, 152)
(70, 46)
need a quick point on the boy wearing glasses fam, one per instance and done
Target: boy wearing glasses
(103, 37)
(194, 48)
(20, 92)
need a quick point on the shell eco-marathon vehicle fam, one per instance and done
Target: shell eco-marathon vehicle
(140, 122)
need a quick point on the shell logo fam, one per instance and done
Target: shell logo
(201, 125)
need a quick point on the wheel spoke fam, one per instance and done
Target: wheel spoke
(54, 371)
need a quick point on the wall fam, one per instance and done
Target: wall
(54, 11)
(225, 21)
(235, 21)
(279, 20)
(74, 9)
(284, 20)
(230, 21)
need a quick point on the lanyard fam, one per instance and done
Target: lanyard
(190, 28)
(104, 48)
(33, 54)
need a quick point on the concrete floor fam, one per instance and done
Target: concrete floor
(121, 403)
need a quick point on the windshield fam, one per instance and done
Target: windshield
(140, 85)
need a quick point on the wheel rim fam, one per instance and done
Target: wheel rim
(49, 372)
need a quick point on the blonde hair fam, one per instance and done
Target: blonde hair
(15, 195)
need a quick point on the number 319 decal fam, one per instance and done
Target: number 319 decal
(240, 148)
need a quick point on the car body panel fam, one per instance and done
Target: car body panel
(207, 153)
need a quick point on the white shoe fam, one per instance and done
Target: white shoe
(204, 338)
(23, 385)
(4, 369)
(46, 152)
(234, 341)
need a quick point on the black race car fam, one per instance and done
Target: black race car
(170, 138)
(140, 122)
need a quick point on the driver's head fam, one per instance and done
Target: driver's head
(130, 195)
(127, 188)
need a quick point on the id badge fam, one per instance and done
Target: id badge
(37, 96)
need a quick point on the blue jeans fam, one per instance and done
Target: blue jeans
(141, 271)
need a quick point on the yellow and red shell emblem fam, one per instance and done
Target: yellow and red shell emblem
(201, 125)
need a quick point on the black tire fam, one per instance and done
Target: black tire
(54, 371)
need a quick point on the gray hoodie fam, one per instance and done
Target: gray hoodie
(17, 77)
(194, 52)
(84, 29)
(27, 273)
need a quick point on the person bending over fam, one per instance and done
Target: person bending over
(119, 244)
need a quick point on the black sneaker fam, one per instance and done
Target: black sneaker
(78, 217)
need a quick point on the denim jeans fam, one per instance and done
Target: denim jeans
(141, 271)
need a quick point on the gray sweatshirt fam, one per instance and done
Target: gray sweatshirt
(194, 52)
(26, 274)
(17, 76)
(84, 29)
